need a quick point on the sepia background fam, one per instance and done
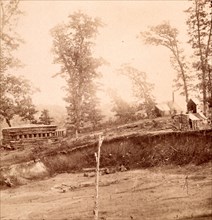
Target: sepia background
(117, 43)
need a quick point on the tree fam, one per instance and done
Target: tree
(123, 111)
(93, 114)
(142, 89)
(10, 40)
(166, 36)
(15, 92)
(15, 98)
(45, 118)
(200, 31)
(72, 46)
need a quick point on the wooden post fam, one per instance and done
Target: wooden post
(97, 156)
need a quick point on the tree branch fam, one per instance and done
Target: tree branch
(12, 12)
(208, 43)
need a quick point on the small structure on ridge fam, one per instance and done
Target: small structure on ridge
(31, 134)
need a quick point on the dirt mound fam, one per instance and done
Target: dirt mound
(22, 173)
(137, 150)
(130, 149)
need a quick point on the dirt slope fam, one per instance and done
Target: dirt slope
(150, 194)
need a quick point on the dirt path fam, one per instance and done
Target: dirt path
(159, 193)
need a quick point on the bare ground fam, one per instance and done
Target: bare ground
(156, 193)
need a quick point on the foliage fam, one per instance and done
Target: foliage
(137, 151)
(15, 98)
(72, 47)
(45, 118)
(142, 89)
(166, 36)
(123, 110)
(10, 40)
(200, 31)
(15, 92)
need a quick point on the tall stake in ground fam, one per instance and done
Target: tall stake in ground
(97, 155)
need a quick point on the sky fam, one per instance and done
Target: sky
(117, 43)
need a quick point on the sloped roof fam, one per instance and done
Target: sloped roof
(193, 117)
(174, 106)
(195, 100)
(200, 116)
(28, 126)
(163, 107)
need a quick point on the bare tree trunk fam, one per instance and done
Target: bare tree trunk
(184, 81)
(97, 155)
(176, 53)
(210, 83)
(201, 60)
(8, 122)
